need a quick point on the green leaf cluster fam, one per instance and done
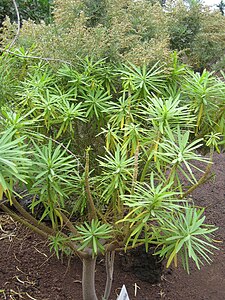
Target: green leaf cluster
(93, 236)
(186, 234)
(112, 158)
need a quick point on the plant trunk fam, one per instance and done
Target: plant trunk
(88, 280)
(109, 263)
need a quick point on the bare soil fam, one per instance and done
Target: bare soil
(28, 270)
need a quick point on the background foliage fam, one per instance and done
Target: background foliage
(138, 31)
(36, 10)
(198, 32)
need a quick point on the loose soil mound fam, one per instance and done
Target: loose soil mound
(28, 270)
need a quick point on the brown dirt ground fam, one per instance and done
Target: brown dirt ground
(28, 270)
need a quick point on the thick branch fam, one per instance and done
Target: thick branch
(88, 279)
(109, 265)
(30, 218)
(201, 181)
(68, 224)
(90, 202)
(135, 174)
(24, 222)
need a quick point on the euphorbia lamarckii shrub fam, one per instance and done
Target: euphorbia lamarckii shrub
(110, 155)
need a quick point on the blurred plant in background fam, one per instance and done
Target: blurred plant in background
(36, 10)
(138, 31)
